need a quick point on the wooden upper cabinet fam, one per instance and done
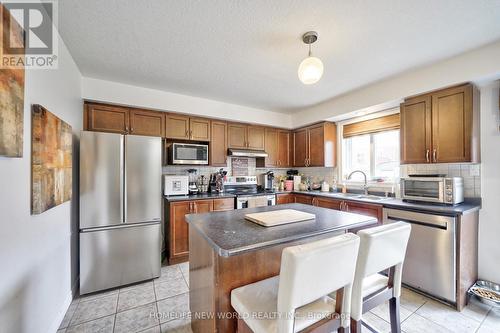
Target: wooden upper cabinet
(316, 138)
(145, 122)
(255, 137)
(441, 126)
(236, 136)
(415, 131)
(285, 148)
(300, 151)
(452, 125)
(218, 143)
(315, 145)
(106, 118)
(177, 127)
(271, 147)
(199, 129)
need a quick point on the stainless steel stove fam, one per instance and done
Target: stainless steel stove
(247, 193)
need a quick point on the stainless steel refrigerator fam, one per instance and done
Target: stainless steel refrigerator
(120, 210)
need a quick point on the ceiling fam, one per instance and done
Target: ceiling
(248, 52)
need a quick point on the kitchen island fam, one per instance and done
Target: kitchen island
(227, 251)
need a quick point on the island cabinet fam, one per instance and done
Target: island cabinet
(177, 228)
(441, 126)
(314, 146)
(242, 136)
(187, 128)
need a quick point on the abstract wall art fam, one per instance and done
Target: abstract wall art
(51, 160)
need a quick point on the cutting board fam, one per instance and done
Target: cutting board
(279, 217)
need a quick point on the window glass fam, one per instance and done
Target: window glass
(375, 154)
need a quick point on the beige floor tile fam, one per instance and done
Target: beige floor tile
(376, 322)
(101, 325)
(476, 310)
(94, 309)
(383, 312)
(418, 324)
(412, 300)
(171, 288)
(492, 320)
(89, 297)
(133, 298)
(155, 329)
(177, 326)
(136, 319)
(448, 317)
(136, 285)
(173, 308)
(169, 273)
(69, 314)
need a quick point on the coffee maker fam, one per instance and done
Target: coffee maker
(193, 181)
(267, 180)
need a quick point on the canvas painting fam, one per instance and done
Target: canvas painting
(51, 160)
(11, 94)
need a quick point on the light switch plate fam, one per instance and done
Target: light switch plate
(474, 170)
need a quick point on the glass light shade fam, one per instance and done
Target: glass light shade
(310, 70)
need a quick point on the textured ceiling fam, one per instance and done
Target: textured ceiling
(247, 52)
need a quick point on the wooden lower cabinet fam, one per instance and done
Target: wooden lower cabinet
(363, 208)
(177, 228)
(303, 199)
(284, 198)
(328, 203)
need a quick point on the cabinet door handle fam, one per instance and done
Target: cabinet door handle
(191, 133)
(346, 207)
(434, 155)
(186, 134)
(341, 205)
(427, 153)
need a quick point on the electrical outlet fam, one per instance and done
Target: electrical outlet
(474, 170)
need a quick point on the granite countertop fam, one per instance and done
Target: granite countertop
(171, 198)
(468, 206)
(230, 234)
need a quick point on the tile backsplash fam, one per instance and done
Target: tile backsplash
(470, 172)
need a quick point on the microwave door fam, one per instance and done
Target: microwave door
(189, 154)
(428, 190)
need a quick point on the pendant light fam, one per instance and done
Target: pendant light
(311, 68)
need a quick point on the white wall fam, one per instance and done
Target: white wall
(470, 66)
(124, 94)
(489, 216)
(37, 253)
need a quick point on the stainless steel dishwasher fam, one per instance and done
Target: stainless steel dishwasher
(430, 263)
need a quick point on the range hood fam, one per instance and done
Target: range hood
(246, 153)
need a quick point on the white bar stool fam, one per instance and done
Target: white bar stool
(297, 299)
(382, 248)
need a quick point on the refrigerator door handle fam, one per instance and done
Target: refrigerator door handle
(132, 225)
(124, 177)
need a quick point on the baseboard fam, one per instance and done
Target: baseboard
(60, 316)
(67, 302)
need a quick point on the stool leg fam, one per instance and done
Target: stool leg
(394, 315)
(355, 326)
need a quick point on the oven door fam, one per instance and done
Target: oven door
(187, 153)
(423, 189)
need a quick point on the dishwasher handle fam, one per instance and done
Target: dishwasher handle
(443, 226)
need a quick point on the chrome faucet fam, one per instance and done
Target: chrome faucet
(365, 186)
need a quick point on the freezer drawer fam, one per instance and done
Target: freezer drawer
(117, 256)
(430, 262)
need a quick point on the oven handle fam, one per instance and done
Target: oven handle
(425, 224)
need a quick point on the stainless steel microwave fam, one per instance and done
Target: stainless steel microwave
(188, 153)
(445, 190)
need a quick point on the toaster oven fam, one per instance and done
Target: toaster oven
(436, 189)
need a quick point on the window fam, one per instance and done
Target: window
(376, 154)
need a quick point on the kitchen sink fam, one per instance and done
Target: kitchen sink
(371, 197)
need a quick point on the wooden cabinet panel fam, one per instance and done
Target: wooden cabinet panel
(237, 136)
(177, 127)
(451, 125)
(364, 209)
(316, 146)
(218, 143)
(328, 203)
(284, 198)
(284, 149)
(415, 132)
(144, 122)
(106, 118)
(271, 147)
(178, 231)
(203, 206)
(255, 137)
(303, 199)
(300, 151)
(199, 129)
(223, 204)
